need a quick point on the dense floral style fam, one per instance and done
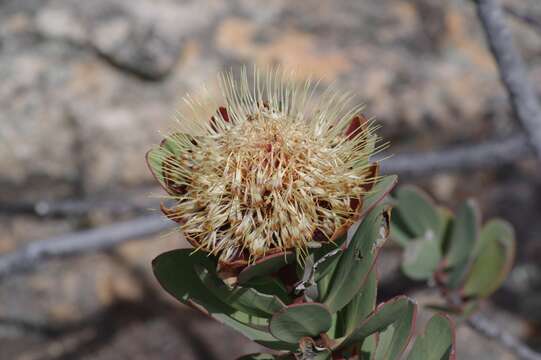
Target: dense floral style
(269, 165)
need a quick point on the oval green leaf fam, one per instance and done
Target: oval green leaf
(360, 306)
(462, 240)
(437, 342)
(393, 340)
(175, 273)
(300, 320)
(421, 257)
(243, 299)
(418, 211)
(494, 255)
(463, 234)
(266, 266)
(381, 189)
(356, 262)
(385, 315)
(270, 286)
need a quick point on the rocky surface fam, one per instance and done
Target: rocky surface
(101, 77)
(86, 86)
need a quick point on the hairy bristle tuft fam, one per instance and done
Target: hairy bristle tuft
(267, 166)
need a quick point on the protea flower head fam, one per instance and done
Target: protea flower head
(270, 165)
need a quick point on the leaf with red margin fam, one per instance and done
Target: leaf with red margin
(271, 286)
(170, 148)
(357, 260)
(464, 233)
(419, 213)
(154, 160)
(300, 320)
(244, 299)
(360, 306)
(462, 240)
(367, 349)
(175, 273)
(380, 190)
(493, 255)
(437, 341)
(376, 195)
(266, 266)
(393, 340)
(384, 316)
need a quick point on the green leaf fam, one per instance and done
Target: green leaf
(261, 337)
(175, 273)
(494, 255)
(462, 241)
(329, 263)
(454, 310)
(176, 143)
(394, 339)
(300, 320)
(418, 211)
(154, 159)
(437, 341)
(266, 266)
(456, 274)
(381, 189)
(332, 332)
(399, 231)
(463, 234)
(385, 339)
(324, 274)
(367, 349)
(385, 315)
(270, 286)
(244, 299)
(356, 262)
(422, 257)
(171, 146)
(447, 221)
(324, 284)
(360, 306)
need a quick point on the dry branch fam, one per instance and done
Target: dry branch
(527, 109)
(86, 241)
(512, 70)
(491, 154)
(524, 17)
(75, 207)
(492, 331)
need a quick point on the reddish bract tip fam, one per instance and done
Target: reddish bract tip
(357, 124)
(223, 111)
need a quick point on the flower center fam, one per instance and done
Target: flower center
(266, 183)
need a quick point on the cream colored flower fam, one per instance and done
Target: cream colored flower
(269, 166)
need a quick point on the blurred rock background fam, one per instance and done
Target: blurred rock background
(86, 86)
